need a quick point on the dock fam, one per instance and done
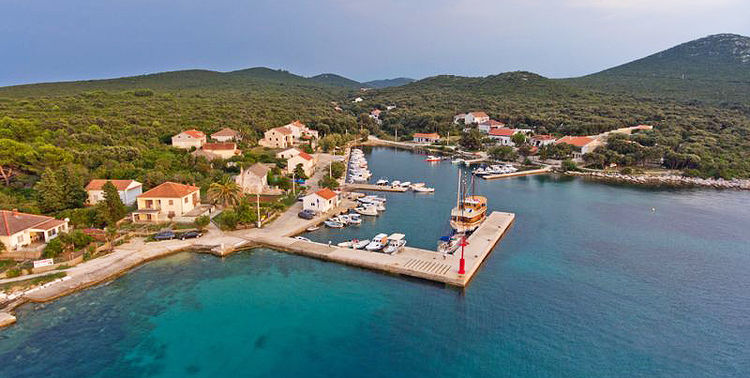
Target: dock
(372, 187)
(411, 262)
(516, 174)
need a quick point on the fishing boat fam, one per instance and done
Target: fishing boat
(366, 210)
(432, 158)
(378, 242)
(333, 224)
(396, 242)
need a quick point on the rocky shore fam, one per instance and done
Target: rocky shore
(666, 180)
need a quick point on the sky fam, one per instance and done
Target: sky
(60, 40)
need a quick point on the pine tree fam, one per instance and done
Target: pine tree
(73, 188)
(111, 209)
(50, 193)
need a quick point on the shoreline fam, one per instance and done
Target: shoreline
(672, 181)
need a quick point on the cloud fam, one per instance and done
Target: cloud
(657, 5)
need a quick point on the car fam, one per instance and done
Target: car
(190, 235)
(164, 235)
(306, 214)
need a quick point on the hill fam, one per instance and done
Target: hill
(714, 69)
(385, 83)
(336, 81)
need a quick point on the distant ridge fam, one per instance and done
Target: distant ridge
(385, 83)
(336, 81)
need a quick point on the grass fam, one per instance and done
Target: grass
(32, 281)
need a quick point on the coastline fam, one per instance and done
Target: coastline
(664, 180)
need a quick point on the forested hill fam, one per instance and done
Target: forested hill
(385, 83)
(337, 81)
(714, 69)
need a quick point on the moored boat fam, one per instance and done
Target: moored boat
(396, 242)
(432, 158)
(366, 210)
(333, 224)
(377, 243)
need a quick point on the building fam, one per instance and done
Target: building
(358, 99)
(541, 140)
(288, 153)
(254, 180)
(476, 117)
(485, 127)
(278, 137)
(128, 190)
(321, 201)
(583, 143)
(503, 136)
(425, 137)
(166, 201)
(390, 107)
(375, 114)
(226, 135)
(19, 230)
(307, 161)
(189, 139)
(212, 151)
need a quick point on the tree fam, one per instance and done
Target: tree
(329, 182)
(299, 172)
(202, 221)
(472, 140)
(225, 192)
(503, 153)
(337, 169)
(53, 248)
(111, 235)
(518, 138)
(111, 209)
(50, 192)
(569, 165)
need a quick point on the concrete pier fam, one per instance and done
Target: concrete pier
(371, 187)
(517, 174)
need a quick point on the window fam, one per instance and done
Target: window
(186, 199)
(171, 202)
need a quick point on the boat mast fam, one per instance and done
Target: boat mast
(458, 190)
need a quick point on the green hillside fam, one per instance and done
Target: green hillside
(385, 83)
(336, 81)
(714, 69)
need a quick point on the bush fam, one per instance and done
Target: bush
(228, 220)
(627, 171)
(53, 248)
(329, 182)
(569, 165)
(202, 221)
(11, 273)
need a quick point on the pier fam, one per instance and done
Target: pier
(516, 174)
(372, 187)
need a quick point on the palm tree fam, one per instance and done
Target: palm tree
(225, 192)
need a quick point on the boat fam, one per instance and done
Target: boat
(416, 184)
(360, 244)
(405, 184)
(354, 218)
(333, 224)
(432, 158)
(378, 242)
(457, 161)
(395, 183)
(313, 228)
(366, 210)
(346, 244)
(396, 242)
(423, 189)
(343, 218)
(381, 182)
(449, 244)
(302, 238)
(470, 210)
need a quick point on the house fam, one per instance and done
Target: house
(278, 137)
(583, 143)
(189, 139)
(254, 180)
(541, 140)
(288, 153)
(307, 161)
(485, 127)
(212, 151)
(459, 118)
(128, 190)
(19, 230)
(226, 135)
(166, 201)
(476, 117)
(426, 137)
(321, 201)
(358, 99)
(300, 130)
(503, 135)
(375, 114)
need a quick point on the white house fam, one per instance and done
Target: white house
(218, 151)
(226, 135)
(128, 190)
(166, 202)
(18, 230)
(583, 143)
(485, 127)
(306, 160)
(254, 180)
(288, 135)
(476, 117)
(542, 140)
(426, 137)
(503, 136)
(189, 139)
(321, 201)
(288, 153)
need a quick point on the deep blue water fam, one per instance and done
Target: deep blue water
(588, 282)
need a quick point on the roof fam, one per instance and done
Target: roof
(326, 193)
(479, 114)
(219, 146)
(194, 133)
(305, 155)
(170, 190)
(578, 141)
(225, 132)
(282, 130)
(375, 111)
(297, 123)
(12, 222)
(502, 132)
(427, 135)
(543, 137)
(258, 169)
(98, 184)
(492, 122)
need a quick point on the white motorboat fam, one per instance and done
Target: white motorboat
(333, 224)
(377, 243)
(457, 161)
(416, 184)
(449, 244)
(354, 218)
(313, 228)
(381, 182)
(343, 218)
(396, 242)
(423, 189)
(366, 210)
(432, 158)
(360, 244)
(346, 244)
(395, 183)
(405, 184)
(479, 171)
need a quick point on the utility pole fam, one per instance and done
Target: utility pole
(257, 206)
(294, 190)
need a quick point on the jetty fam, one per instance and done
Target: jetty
(373, 187)
(519, 173)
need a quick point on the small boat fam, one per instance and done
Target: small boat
(343, 218)
(346, 244)
(457, 161)
(313, 228)
(431, 158)
(360, 244)
(377, 243)
(354, 218)
(302, 238)
(416, 184)
(396, 242)
(396, 183)
(423, 189)
(449, 244)
(405, 184)
(366, 210)
(381, 182)
(333, 224)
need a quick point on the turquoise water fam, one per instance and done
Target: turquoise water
(588, 282)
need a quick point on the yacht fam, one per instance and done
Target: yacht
(396, 242)
(333, 224)
(469, 213)
(382, 182)
(423, 189)
(366, 210)
(377, 243)
(354, 218)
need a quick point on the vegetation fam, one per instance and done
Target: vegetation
(503, 153)
(67, 242)
(111, 209)
(225, 192)
(202, 221)
(30, 282)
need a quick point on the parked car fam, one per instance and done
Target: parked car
(164, 235)
(190, 235)
(306, 214)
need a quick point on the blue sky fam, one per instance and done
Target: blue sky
(56, 40)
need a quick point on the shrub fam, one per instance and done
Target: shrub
(53, 248)
(627, 171)
(202, 221)
(14, 272)
(569, 165)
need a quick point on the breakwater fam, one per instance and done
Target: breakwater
(665, 180)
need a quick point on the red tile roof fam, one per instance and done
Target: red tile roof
(305, 155)
(282, 130)
(578, 141)
(12, 222)
(194, 133)
(478, 114)
(543, 137)
(502, 132)
(98, 184)
(298, 124)
(225, 132)
(219, 146)
(170, 190)
(326, 193)
(493, 123)
(427, 135)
